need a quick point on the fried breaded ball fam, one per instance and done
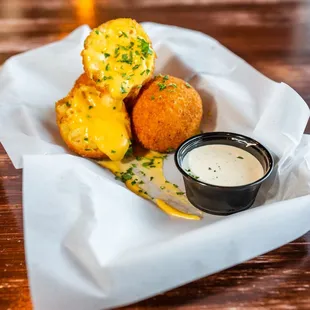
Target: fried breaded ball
(118, 56)
(93, 124)
(167, 112)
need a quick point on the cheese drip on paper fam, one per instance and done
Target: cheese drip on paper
(144, 176)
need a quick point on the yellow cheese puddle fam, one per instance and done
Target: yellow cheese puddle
(143, 175)
(102, 120)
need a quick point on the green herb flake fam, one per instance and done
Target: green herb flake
(151, 178)
(113, 151)
(187, 85)
(133, 183)
(165, 78)
(176, 186)
(152, 97)
(68, 104)
(172, 85)
(142, 72)
(127, 175)
(162, 187)
(107, 67)
(90, 107)
(87, 149)
(123, 90)
(85, 139)
(180, 193)
(135, 67)
(170, 150)
(134, 165)
(129, 153)
(141, 182)
(106, 36)
(142, 172)
(240, 157)
(145, 48)
(116, 52)
(97, 31)
(138, 158)
(106, 55)
(147, 71)
(123, 34)
(161, 86)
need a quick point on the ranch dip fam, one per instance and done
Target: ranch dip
(222, 165)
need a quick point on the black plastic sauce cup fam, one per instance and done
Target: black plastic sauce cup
(223, 200)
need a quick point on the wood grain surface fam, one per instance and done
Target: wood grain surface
(273, 36)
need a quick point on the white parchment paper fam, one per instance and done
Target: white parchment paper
(91, 243)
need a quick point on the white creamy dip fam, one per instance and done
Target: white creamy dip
(222, 165)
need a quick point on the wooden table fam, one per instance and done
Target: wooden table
(273, 36)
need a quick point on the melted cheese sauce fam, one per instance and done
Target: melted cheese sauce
(100, 121)
(144, 176)
(118, 55)
(223, 165)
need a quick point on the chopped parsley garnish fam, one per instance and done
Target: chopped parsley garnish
(134, 182)
(68, 104)
(176, 186)
(113, 151)
(123, 34)
(161, 86)
(145, 47)
(129, 153)
(116, 52)
(165, 78)
(97, 31)
(180, 193)
(162, 187)
(114, 108)
(125, 176)
(193, 176)
(90, 107)
(106, 36)
(173, 85)
(149, 164)
(188, 170)
(240, 157)
(127, 58)
(141, 182)
(107, 67)
(106, 55)
(209, 168)
(126, 48)
(187, 85)
(107, 78)
(147, 71)
(135, 67)
(85, 139)
(170, 150)
(138, 158)
(134, 165)
(142, 72)
(152, 97)
(151, 178)
(142, 172)
(137, 53)
(123, 90)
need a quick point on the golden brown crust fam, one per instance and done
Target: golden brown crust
(167, 112)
